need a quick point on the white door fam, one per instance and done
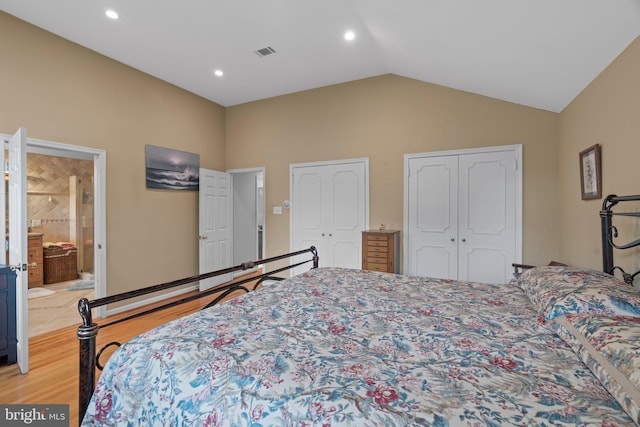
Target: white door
(215, 226)
(347, 220)
(18, 239)
(487, 222)
(307, 200)
(329, 210)
(432, 237)
(463, 214)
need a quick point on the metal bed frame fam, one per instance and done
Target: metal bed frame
(88, 331)
(610, 232)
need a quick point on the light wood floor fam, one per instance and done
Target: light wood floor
(53, 361)
(56, 311)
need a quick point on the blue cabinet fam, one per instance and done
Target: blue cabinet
(8, 314)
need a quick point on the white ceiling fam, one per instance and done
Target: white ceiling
(539, 53)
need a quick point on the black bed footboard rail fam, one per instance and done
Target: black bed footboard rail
(609, 232)
(88, 331)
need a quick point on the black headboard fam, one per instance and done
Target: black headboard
(610, 232)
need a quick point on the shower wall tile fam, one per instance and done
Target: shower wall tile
(48, 197)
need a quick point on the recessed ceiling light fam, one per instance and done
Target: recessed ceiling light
(218, 73)
(349, 35)
(111, 14)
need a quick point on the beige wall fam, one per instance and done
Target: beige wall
(383, 118)
(607, 112)
(62, 92)
(65, 93)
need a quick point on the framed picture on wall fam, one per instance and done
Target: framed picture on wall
(590, 173)
(172, 169)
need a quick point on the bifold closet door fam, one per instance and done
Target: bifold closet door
(433, 217)
(487, 216)
(328, 210)
(462, 216)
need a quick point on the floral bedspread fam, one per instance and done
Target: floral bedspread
(350, 347)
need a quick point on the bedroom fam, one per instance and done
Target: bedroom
(337, 119)
(57, 102)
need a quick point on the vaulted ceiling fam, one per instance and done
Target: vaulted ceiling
(539, 53)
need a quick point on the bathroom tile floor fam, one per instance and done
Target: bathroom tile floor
(56, 311)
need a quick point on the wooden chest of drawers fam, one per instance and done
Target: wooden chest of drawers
(380, 251)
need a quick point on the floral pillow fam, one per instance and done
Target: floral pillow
(610, 347)
(559, 290)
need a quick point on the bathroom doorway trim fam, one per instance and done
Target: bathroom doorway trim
(99, 158)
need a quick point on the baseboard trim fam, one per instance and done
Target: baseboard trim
(147, 301)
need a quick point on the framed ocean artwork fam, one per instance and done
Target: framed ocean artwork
(172, 169)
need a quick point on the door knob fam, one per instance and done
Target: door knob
(19, 267)
(464, 240)
(453, 240)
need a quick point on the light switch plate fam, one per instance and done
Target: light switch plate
(277, 210)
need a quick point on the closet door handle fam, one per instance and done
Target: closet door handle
(464, 240)
(453, 240)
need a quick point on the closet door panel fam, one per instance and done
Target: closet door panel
(474, 262)
(463, 213)
(482, 196)
(348, 205)
(329, 211)
(308, 199)
(433, 217)
(345, 220)
(487, 220)
(434, 261)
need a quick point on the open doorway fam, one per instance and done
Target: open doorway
(16, 233)
(248, 215)
(231, 222)
(60, 212)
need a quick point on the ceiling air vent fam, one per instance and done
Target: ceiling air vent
(265, 51)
